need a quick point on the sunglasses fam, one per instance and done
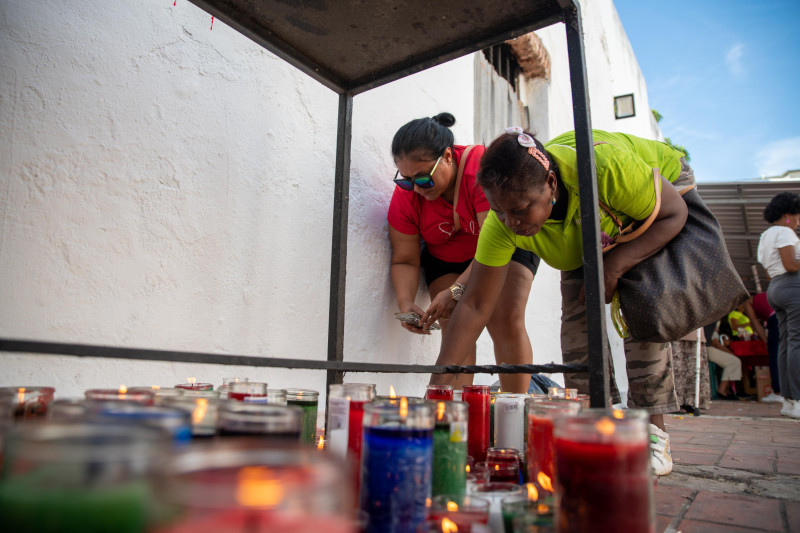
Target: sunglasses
(423, 182)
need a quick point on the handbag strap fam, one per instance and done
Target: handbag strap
(461, 165)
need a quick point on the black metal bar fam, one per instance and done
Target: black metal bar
(590, 225)
(341, 203)
(143, 354)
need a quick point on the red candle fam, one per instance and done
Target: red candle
(603, 474)
(249, 391)
(477, 397)
(541, 414)
(463, 511)
(439, 392)
(256, 521)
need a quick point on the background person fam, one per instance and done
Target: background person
(423, 232)
(533, 193)
(779, 254)
(766, 314)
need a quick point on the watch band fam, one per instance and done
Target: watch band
(457, 290)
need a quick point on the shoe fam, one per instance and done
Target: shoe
(728, 397)
(659, 449)
(772, 398)
(791, 408)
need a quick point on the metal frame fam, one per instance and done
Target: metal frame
(235, 13)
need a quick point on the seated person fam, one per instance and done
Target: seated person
(720, 354)
(741, 327)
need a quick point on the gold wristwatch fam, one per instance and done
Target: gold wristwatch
(457, 290)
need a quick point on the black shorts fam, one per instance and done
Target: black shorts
(435, 268)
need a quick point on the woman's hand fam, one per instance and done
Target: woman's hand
(441, 308)
(414, 308)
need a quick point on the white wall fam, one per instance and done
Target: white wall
(169, 186)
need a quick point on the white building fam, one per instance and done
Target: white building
(168, 185)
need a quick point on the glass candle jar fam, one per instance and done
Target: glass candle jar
(540, 415)
(526, 513)
(160, 393)
(225, 388)
(277, 396)
(503, 465)
(67, 477)
(603, 472)
(477, 398)
(396, 465)
(192, 385)
(477, 474)
(458, 395)
(141, 396)
(307, 400)
(234, 487)
(169, 419)
(28, 402)
(495, 493)
(276, 422)
(509, 420)
(439, 392)
(203, 413)
(65, 409)
(250, 391)
(559, 393)
(464, 511)
(450, 449)
(345, 417)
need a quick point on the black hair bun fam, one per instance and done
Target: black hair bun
(445, 119)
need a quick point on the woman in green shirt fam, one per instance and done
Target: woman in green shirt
(533, 194)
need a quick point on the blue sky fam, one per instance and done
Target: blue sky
(726, 77)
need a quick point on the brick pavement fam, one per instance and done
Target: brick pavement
(737, 470)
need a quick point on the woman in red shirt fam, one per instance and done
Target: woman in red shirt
(435, 217)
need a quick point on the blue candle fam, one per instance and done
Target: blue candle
(396, 463)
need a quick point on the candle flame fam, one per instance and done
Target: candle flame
(545, 481)
(533, 494)
(258, 487)
(605, 426)
(321, 444)
(403, 407)
(452, 507)
(155, 387)
(468, 469)
(440, 410)
(496, 468)
(618, 414)
(392, 393)
(448, 526)
(123, 389)
(200, 411)
(21, 395)
(543, 508)
(191, 380)
(428, 503)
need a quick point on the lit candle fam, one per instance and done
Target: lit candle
(28, 402)
(540, 417)
(477, 398)
(450, 449)
(503, 465)
(175, 421)
(249, 391)
(396, 465)
(463, 511)
(344, 440)
(203, 412)
(495, 493)
(191, 384)
(439, 392)
(160, 393)
(529, 508)
(603, 472)
(144, 397)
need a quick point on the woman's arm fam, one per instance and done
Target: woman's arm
(668, 223)
(442, 304)
(788, 259)
(470, 316)
(755, 322)
(405, 273)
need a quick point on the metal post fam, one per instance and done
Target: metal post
(590, 223)
(341, 196)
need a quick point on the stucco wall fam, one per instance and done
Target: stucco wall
(169, 186)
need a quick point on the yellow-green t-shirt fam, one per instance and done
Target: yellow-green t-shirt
(624, 166)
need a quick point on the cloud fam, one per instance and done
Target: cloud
(777, 157)
(733, 59)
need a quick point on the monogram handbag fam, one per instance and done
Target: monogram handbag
(687, 284)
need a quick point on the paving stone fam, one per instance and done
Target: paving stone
(671, 499)
(736, 510)
(698, 526)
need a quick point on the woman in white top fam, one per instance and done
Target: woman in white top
(779, 254)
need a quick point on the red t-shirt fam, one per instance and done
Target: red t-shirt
(411, 214)
(761, 306)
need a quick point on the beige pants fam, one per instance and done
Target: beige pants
(731, 365)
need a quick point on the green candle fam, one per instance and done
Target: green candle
(306, 400)
(26, 506)
(450, 449)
